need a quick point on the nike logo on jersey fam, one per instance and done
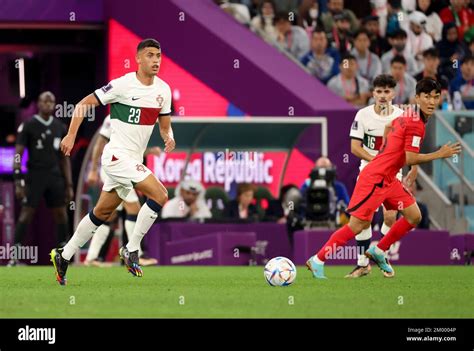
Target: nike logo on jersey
(370, 130)
(135, 98)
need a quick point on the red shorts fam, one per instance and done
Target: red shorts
(368, 195)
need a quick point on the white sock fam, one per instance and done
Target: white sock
(145, 219)
(384, 230)
(317, 260)
(85, 230)
(362, 260)
(129, 228)
(97, 242)
(365, 234)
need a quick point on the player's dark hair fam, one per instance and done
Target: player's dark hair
(319, 29)
(427, 85)
(431, 52)
(148, 43)
(399, 59)
(384, 80)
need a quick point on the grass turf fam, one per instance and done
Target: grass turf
(415, 292)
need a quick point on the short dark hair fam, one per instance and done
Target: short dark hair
(427, 85)
(362, 31)
(281, 16)
(347, 56)
(431, 52)
(399, 33)
(399, 59)
(467, 59)
(319, 29)
(148, 43)
(384, 80)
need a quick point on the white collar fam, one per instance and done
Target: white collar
(42, 121)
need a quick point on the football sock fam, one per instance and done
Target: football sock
(363, 243)
(384, 230)
(98, 239)
(338, 238)
(130, 222)
(85, 230)
(145, 219)
(398, 230)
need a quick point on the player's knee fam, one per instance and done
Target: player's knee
(415, 219)
(389, 220)
(102, 214)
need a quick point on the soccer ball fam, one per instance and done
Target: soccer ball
(280, 271)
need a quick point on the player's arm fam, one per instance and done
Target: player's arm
(358, 150)
(80, 111)
(19, 181)
(445, 151)
(65, 164)
(166, 132)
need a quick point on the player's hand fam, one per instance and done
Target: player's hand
(92, 178)
(20, 192)
(67, 144)
(155, 150)
(411, 176)
(170, 144)
(448, 149)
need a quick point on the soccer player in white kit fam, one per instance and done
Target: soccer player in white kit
(131, 204)
(366, 140)
(138, 100)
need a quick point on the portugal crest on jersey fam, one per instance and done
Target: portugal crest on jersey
(160, 100)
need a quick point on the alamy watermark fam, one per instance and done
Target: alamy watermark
(17, 252)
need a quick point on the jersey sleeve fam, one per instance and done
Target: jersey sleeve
(357, 128)
(22, 137)
(111, 92)
(106, 128)
(413, 137)
(167, 104)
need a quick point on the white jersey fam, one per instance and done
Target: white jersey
(369, 127)
(133, 113)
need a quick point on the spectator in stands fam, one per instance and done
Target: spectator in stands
(340, 36)
(471, 47)
(396, 18)
(369, 64)
(418, 39)
(451, 49)
(289, 201)
(348, 84)
(434, 25)
(464, 82)
(398, 41)
(406, 84)
(292, 38)
(322, 61)
(337, 7)
(308, 16)
(188, 203)
(459, 13)
(431, 62)
(287, 6)
(342, 196)
(378, 44)
(242, 207)
(240, 12)
(263, 22)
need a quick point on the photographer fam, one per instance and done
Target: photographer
(325, 197)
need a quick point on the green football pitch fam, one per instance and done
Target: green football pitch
(235, 292)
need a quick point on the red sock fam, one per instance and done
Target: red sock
(338, 238)
(396, 232)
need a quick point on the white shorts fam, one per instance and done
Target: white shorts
(121, 175)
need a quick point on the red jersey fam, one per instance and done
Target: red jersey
(407, 134)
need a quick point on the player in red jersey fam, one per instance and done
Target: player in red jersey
(378, 184)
